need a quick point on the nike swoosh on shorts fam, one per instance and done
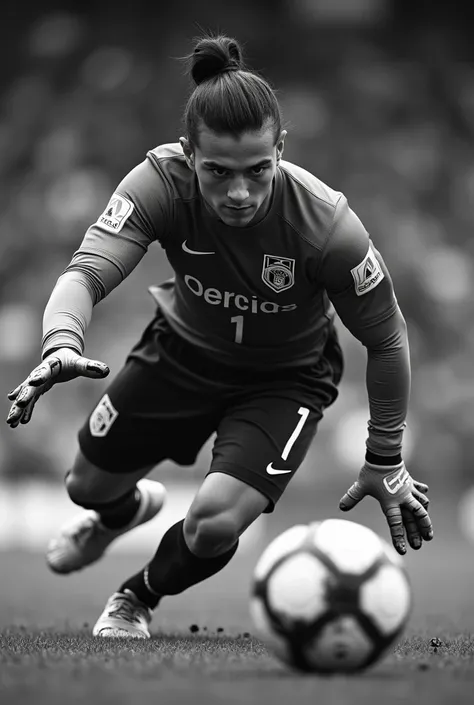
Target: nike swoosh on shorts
(274, 471)
(194, 252)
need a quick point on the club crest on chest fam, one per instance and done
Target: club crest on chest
(278, 272)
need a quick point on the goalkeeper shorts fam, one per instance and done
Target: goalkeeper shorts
(170, 398)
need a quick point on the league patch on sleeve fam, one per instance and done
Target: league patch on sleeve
(118, 210)
(367, 274)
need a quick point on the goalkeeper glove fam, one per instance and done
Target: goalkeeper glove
(402, 499)
(59, 366)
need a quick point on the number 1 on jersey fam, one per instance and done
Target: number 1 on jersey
(239, 328)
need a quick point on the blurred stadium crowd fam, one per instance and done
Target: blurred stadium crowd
(379, 104)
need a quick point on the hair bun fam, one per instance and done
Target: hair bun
(215, 55)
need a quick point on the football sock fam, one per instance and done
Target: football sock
(174, 568)
(119, 512)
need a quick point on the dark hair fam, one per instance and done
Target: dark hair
(228, 98)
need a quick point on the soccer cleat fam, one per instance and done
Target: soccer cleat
(84, 540)
(124, 616)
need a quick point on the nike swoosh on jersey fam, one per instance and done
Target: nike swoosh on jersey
(274, 471)
(194, 252)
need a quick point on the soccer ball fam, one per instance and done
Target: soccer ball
(330, 596)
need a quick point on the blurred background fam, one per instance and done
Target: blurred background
(378, 97)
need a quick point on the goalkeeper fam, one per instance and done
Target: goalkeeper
(242, 344)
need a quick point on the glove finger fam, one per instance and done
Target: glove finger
(352, 497)
(14, 416)
(422, 499)
(420, 486)
(13, 395)
(94, 369)
(422, 518)
(28, 412)
(26, 395)
(395, 523)
(24, 404)
(411, 528)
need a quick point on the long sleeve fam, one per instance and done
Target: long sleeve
(359, 285)
(134, 217)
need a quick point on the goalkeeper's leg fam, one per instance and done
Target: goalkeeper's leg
(190, 551)
(151, 411)
(113, 505)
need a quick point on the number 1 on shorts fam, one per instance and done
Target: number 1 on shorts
(304, 413)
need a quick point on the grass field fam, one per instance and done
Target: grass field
(48, 657)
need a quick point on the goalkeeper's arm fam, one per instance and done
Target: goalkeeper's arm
(65, 321)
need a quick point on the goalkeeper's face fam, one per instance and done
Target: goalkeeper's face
(235, 174)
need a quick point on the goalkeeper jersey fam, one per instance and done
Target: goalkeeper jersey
(254, 295)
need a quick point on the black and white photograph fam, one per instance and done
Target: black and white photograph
(237, 352)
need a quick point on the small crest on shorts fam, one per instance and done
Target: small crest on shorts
(368, 274)
(102, 417)
(116, 214)
(278, 272)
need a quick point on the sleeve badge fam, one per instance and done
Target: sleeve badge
(368, 274)
(118, 210)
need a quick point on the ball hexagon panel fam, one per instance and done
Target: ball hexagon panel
(296, 589)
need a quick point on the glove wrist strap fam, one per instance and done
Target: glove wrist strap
(386, 460)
